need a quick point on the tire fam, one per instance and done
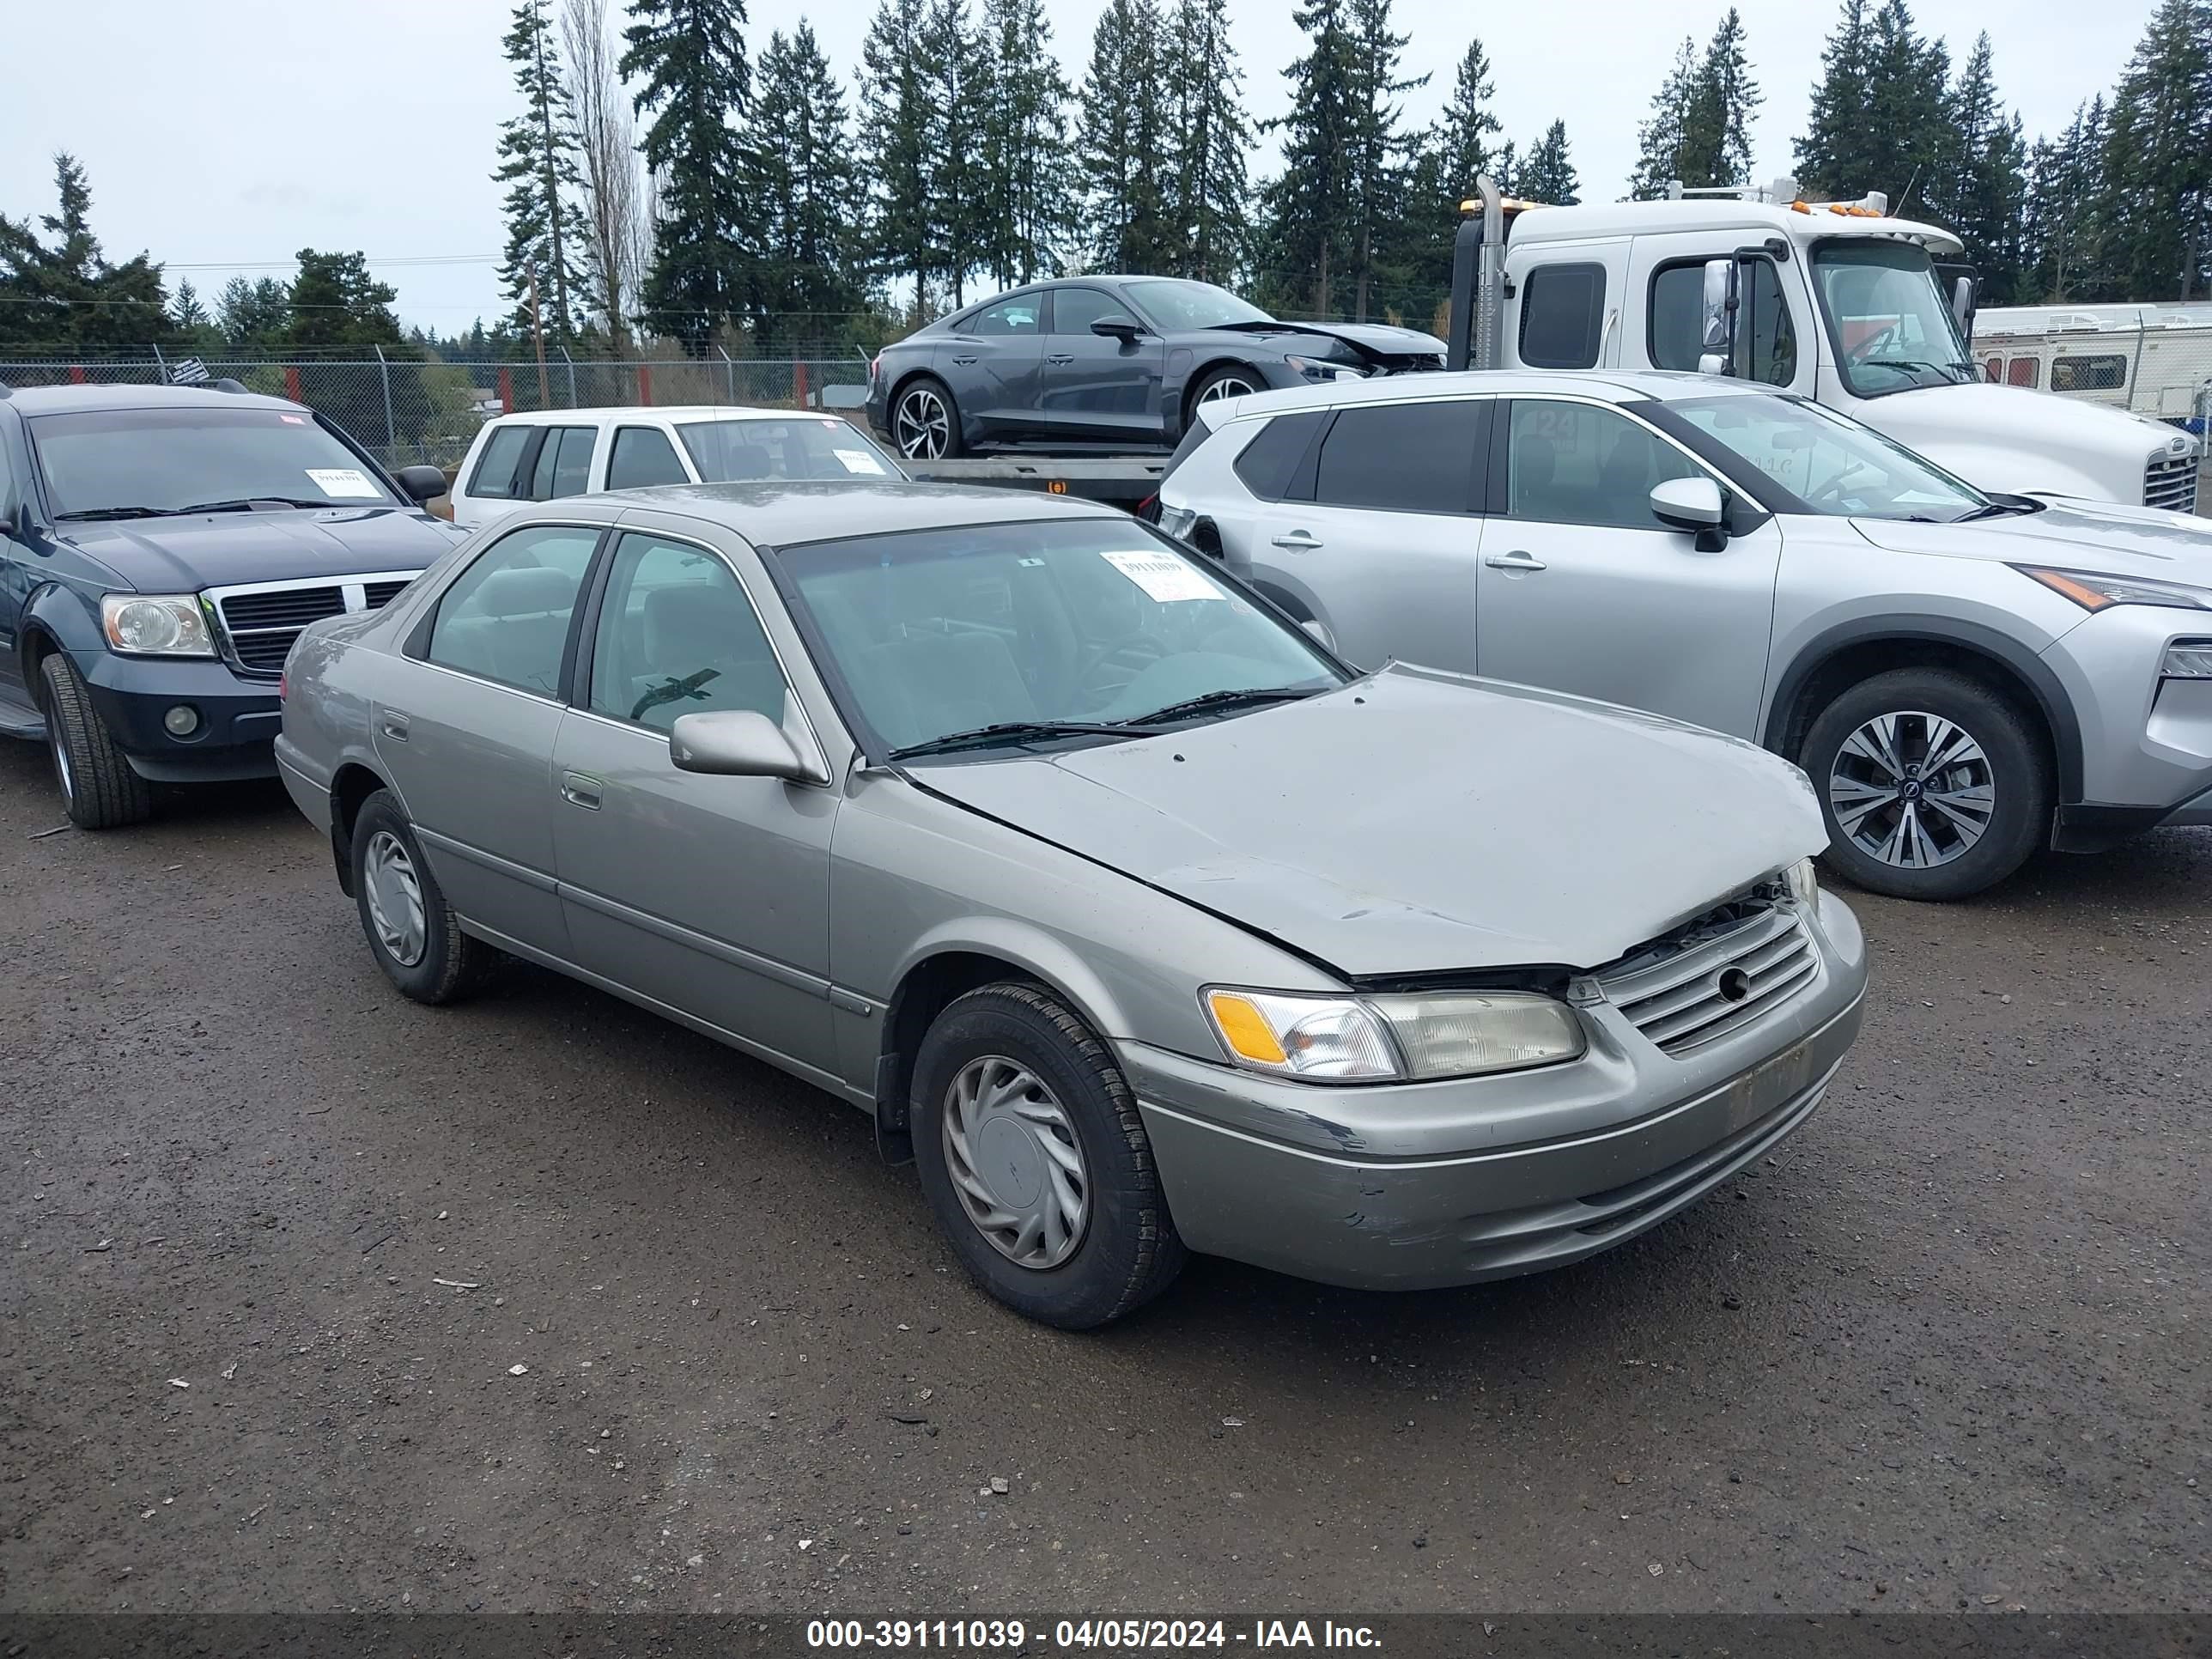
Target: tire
(1228, 381)
(99, 789)
(938, 436)
(436, 962)
(1900, 827)
(1125, 1250)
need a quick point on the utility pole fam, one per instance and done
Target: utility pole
(537, 332)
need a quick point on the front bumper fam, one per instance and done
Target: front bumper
(238, 718)
(2146, 741)
(1413, 1187)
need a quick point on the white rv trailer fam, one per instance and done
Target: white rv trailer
(2154, 360)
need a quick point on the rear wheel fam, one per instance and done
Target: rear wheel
(1934, 786)
(925, 421)
(99, 789)
(411, 931)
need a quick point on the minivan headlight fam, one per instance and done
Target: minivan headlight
(155, 625)
(1396, 1038)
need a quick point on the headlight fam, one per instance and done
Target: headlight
(1316, 368)
(2188, 660)
(155, 625)
(1393, 1038)
(2093, 592)
(1804, 883)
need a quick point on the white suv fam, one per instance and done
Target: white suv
(552, 452)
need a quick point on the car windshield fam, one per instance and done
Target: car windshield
(1173, 304)
(806, 446)
(1832, 465)
(1885, 313)
(1036, 626)
(134, 461)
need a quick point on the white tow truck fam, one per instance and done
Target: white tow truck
(1836, 302)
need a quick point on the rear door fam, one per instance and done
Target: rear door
(1096, 388)
(1583, 590)
(466, 728)
(994, 361)
(492, 482)
(1378, 530)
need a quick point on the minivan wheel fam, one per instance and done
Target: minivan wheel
(411, 931)
(1032, 1155)
(1934, 786)
(99, 789)
(925, 422)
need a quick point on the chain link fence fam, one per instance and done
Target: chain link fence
(405, 412)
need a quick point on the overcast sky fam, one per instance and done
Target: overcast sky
(223, 135)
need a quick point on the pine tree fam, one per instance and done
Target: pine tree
(1381, 150)
(2062, 232)
(1659, 138)
(1547, 176)
(1024, 219)
(1907, 141)
(67, 292)
(1454, 153)
(2158, 158)
(957, 82)
(538, 165)
(255, 314)
(186, 309)
(334, 302)
(1980, 194)
(1122, 142)
(1208, 191)
(1831, 155)
(1717, 118)
(803, 148)
(1309, 203)
(895, 118)
(691, 57)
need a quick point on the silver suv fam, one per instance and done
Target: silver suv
(1964, 677)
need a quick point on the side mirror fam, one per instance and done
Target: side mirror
(1319, 631)
(422, 484)
(1692, 504)
(1962, 306)
(1124, 329)
(738, 743)
(1717, 350)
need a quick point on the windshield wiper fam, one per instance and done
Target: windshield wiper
(84, 513)
(247, 503)
(1251, 697)
(1019, 732)
(1947, 370)
(1990, 510)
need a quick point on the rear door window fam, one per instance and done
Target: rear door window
(1269, 464)
(493, 479)
(564, 463)
(643, 457)
(1409, 457)
(1562, 316)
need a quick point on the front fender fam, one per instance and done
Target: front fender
(1033, 951)
(57, 615)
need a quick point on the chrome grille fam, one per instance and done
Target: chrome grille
(2170, 482)
(1716, 975)
(260, 620)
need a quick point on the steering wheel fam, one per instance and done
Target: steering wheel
(1873, 347)
(1109, 669)
(1832, 493)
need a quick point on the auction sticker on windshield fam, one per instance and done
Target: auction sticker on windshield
(859, 461)
(1163, 576)
(344, 482)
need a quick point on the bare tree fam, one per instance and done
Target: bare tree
(617, 197)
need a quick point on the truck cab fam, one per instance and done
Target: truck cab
(1839, 303)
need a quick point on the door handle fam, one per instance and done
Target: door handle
(964, 362)
(1519, 559)
(393, 725)
(1298, 541)
(579, 790)
(1060, 359)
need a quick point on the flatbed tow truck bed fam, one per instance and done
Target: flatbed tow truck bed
(1125, 481)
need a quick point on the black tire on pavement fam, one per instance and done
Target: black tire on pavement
(98, 788)
(448, 964)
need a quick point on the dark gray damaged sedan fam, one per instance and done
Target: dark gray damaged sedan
(1145, 924)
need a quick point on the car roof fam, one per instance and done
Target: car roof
(602, 414)
(770, 513)
(84, 399)
(1621, 386)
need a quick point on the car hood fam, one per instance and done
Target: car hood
(215, 550)
(2070, 535)
(1418, 822)
(1373, 343)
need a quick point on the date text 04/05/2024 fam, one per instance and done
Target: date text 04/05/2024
(1090, 1635)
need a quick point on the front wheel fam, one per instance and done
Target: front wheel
(1032, 1156)
(411, 931)
(1933, 786)
(99, 789)
(1232, 381)
(926, 422)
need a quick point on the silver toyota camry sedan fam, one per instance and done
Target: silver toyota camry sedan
(1141, 922)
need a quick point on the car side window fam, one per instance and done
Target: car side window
(1581, 464)
(1413, 458)
(642, 456)
(677, 635)
(493, 477)
(1074, 309)
(1022, 318)
(505, 617)
(1562, 316)
(564, 463)
(1269, 464)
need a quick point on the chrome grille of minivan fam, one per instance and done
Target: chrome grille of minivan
(1714, 976)
(2170, 482)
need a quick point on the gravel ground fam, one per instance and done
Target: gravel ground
(317, 1299)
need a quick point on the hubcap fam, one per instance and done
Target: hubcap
(1912, 790)
(922, 426)
(395, 898)
(1228, 386)
(1015, 1162)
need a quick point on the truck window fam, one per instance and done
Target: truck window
(2089, 373)
(643, 457)
(1766, 335)
(494, 475)
(1562, 316)
(564, 463)
(1415, 457)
